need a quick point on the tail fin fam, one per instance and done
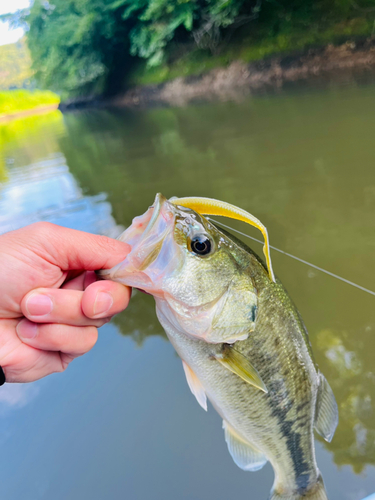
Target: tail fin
(316, 492)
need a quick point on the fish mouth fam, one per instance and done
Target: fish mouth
(146, 236)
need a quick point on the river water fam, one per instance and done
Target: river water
(121, 423)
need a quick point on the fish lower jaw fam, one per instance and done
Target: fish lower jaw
(134, 279)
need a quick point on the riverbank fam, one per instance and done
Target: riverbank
(331, 63)
(20, 102)
(40, 110)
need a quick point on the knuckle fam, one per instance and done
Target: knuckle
(108, 243)
(65, 360)
(61, 367)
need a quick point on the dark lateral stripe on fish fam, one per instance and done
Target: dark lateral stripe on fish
(293, 442)
(301, 406)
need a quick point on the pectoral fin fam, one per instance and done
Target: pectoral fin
(195, 386)
(236, 362)
(326, 413)
(245, 455)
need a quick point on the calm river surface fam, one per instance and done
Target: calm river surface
(121, 423)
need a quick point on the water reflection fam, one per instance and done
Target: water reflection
(21, 140)
(350, 364)
(47, 191)
(302, 163)
(139, 322)
(16, 396)
(304, 191)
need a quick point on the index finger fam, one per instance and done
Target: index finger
(72, 249)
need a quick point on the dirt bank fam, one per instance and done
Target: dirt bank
(332, 63)
(28, 112)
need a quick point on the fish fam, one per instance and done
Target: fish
(242, 342)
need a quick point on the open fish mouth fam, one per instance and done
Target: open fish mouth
(144, 265)
(141, 226)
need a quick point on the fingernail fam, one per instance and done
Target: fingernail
(103, 303)
(26, 329)
(38, 305)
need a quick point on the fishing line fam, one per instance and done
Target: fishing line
(296, 258)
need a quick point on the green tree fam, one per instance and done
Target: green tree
(89, 46)
(86, 47)
(77, 46)
(15, 66)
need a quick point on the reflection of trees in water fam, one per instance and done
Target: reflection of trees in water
(215, 151)
(139, 320)
(29, 133)
(131, 156)
(349, 366)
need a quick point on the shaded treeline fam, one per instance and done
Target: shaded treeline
(84, 47)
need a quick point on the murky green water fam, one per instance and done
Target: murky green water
(121, 423)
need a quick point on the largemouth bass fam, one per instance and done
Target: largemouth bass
(242, 342)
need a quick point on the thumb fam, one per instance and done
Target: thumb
(72, 249)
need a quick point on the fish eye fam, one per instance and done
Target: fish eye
(201, 245)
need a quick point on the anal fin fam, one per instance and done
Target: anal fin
(244, 454)
(326, 413)
(195, 386)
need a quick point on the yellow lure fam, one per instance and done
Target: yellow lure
(209, 206)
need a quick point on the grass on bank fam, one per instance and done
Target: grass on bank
(15, 101)
(254, 48)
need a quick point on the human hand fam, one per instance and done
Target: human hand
(51, 303)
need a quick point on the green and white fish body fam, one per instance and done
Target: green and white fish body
(241, 340)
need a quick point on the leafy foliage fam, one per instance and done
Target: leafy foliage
(15, 66)
(158, 21)
(82, 46)
(90, 46)
(73, 43)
